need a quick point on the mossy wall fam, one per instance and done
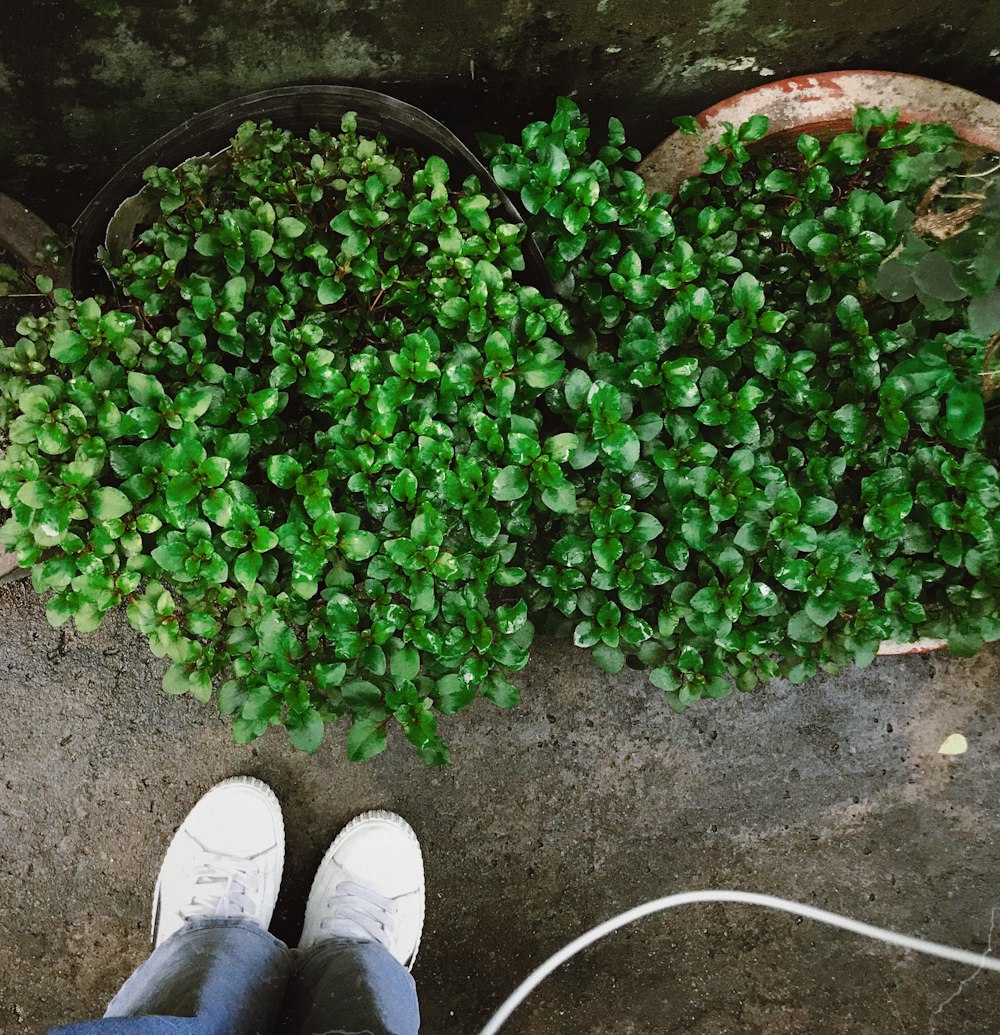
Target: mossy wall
(83, 87)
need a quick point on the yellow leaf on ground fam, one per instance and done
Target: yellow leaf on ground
(956, 744)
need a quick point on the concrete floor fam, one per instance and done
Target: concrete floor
(589, 798)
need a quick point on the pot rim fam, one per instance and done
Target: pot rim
(822, 98)
(22, 233)
(292, 107)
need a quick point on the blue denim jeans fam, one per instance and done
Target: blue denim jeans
(230, 977)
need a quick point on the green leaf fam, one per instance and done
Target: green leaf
(355, 244)
(608, 659)
(68, 346)
(803, 629)
(755, 128)
(214, 471)
(560, 500)
(35, 495)
(578, 385)
(404, 486)
(484, 526)
(664, 678)
(542, 373)
(965, 412)
(707, 600)
(305, 730)
(330, 292)
(452, 693)
(935, 277)
(291, 227)
(510, 484)
(984, 314)
(748, 295)
(178, 680)
(145, 389)
(575, 217)
(283, 470)
(850, 148)
(823, 245)
(809, 147)
(607, 552)
(35, 402)
(181, 489)
(358, 545)
(823, 609)
(247, 568)
(361, 692)
(260, 243)
(818, 511)
(217, 506)
(500, 691)
(106, 504)
(646, 528)
(622, 446)
(171, 556)
(230, 696)
(405, 664)
(234, 294)
(895, 281)
(701, 307)
(779, 181)
(266, 402)
(365, 739)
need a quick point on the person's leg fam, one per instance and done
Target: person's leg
(351, 987)
(214, 976)
(362, 930)
(214, 970)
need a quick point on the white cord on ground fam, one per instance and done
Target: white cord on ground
(749, 898)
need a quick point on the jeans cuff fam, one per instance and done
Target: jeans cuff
(201, 923)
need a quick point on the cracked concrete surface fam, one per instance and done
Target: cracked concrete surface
(589, 798)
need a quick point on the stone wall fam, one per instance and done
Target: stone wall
(83, 86)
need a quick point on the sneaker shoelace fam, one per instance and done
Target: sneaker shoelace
(228, 886)
(357, 911)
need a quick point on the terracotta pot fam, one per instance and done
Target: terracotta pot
(825, 101)
(824, 104)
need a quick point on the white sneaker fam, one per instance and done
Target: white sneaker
(370, 887)
(225, 859)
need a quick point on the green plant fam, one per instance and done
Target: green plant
(308, 456)
(949, 258)
(11, 280)
(778, 467)
(339, 461)
(102, 8)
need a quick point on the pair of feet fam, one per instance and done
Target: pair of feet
(227, 857)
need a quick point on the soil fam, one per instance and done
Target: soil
(587, 799)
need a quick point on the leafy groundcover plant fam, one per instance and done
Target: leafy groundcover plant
(286, 453)
(338, 460)
(784, 453)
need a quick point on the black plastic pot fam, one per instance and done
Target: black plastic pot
(299, 109)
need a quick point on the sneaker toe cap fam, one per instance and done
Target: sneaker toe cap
(384, 857)
(237, 819)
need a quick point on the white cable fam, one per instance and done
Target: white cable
(749, 898)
